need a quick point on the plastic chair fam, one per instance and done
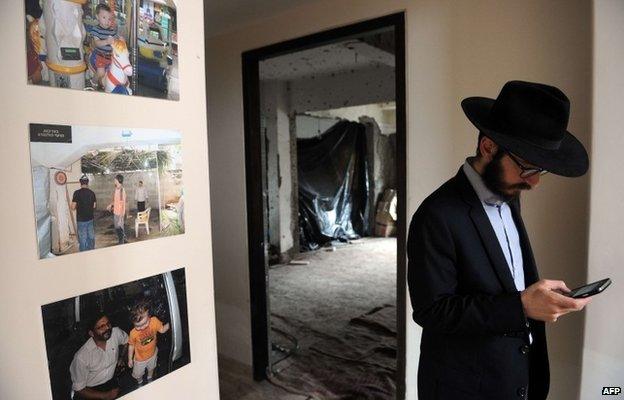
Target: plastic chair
(142, 218)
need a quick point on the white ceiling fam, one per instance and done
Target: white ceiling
(324, 60)
(227, 15)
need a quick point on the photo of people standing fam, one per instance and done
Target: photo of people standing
(127, 47)
(118, 208)
(140, 196)
(91, 186)
(84, 203)
(105, 344)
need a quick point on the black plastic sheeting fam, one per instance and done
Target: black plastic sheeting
(333, 186)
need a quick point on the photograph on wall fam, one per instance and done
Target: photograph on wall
(110, 342)
(96, 187)
(126, 47)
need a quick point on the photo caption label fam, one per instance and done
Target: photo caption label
(50, 133)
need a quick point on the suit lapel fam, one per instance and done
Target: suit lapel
(530, 268)
(486, 232)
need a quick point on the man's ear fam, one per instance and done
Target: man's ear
(90, 333)
(488, 148)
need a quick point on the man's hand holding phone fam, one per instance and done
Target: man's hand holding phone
(544, 301)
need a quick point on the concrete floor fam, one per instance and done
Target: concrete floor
(317, 304)
(337, 285)
(105, 235)
(236, 383)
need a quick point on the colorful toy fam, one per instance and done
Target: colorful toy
(152, 45)
(64, 34)
(152, 74)
(116, 78)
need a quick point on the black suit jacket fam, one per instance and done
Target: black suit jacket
(475, 340)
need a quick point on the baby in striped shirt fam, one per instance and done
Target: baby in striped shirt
(103, 37)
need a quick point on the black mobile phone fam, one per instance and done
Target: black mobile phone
(590, 289)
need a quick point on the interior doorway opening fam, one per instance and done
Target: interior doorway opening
(325, 162)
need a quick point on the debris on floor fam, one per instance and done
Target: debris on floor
(340, 310)
(357, 363)
(299, 262)
(333, 327)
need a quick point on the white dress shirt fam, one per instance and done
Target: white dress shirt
(93, 366)
(502, 222)
(140, 194)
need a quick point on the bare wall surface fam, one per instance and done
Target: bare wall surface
(274, 102)
(454, 50)
(27, 282)
(269, 100)
(603, 353)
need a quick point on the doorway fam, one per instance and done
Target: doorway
(279, 231)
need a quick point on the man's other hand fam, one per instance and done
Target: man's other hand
(543, 300)
(112, 394)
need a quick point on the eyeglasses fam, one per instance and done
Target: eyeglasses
(526, 172)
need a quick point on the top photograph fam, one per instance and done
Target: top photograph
(127, 47)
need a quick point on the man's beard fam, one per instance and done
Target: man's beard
(493, 179)
(105, 335)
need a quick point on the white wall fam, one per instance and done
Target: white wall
(270, 93)
(27, 282)
(275, 105)
(603, 351)
(286, 171)
(454, 49)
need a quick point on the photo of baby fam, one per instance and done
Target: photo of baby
(127, 47)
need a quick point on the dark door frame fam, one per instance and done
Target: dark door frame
(253, 163)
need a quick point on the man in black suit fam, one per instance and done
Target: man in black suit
(472, 278)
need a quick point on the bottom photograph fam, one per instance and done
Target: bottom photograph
(107, 343)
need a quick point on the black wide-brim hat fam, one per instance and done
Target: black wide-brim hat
(530, 120)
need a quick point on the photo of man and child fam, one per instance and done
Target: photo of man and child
(105, 344)
(126, 47)
(99, 187)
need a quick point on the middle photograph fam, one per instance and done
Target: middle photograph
(96, 187)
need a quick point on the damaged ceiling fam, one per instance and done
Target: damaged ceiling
(372, 52)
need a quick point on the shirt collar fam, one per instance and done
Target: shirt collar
(485, 195)
(91, 345)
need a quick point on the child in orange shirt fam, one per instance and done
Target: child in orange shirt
(142, 350)
(118, 207)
